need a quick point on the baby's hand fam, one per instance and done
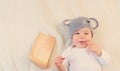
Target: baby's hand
(94, 48)
(59, 64)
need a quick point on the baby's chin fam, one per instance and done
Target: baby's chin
(81, 46)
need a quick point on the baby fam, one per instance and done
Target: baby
(82, 54)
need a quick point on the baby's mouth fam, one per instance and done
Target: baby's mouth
(82, 42)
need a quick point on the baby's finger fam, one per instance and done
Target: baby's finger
(88, 42)
(60, 60)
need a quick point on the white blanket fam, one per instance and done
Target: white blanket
(22, 20)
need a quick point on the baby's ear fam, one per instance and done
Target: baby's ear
(67, 22)
(94, 23)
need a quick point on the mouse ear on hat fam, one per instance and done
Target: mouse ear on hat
(94, 23)
(67, 22)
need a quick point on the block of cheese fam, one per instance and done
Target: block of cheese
(42, 50)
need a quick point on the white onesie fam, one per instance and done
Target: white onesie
(80, 59)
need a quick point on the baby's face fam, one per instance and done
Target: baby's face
(81, 37)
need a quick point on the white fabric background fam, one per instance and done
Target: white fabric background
(22, 20)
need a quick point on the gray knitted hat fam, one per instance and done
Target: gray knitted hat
(79, 23)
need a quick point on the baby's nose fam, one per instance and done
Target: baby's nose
(81, 36)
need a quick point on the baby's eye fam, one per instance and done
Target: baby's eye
(86, 33)
(77, 33)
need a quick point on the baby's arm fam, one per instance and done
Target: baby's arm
(104, 59)
(62, 61)
(102, 56)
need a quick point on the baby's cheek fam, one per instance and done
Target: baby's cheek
(89, 38)
(74, 42)
(74, 39)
